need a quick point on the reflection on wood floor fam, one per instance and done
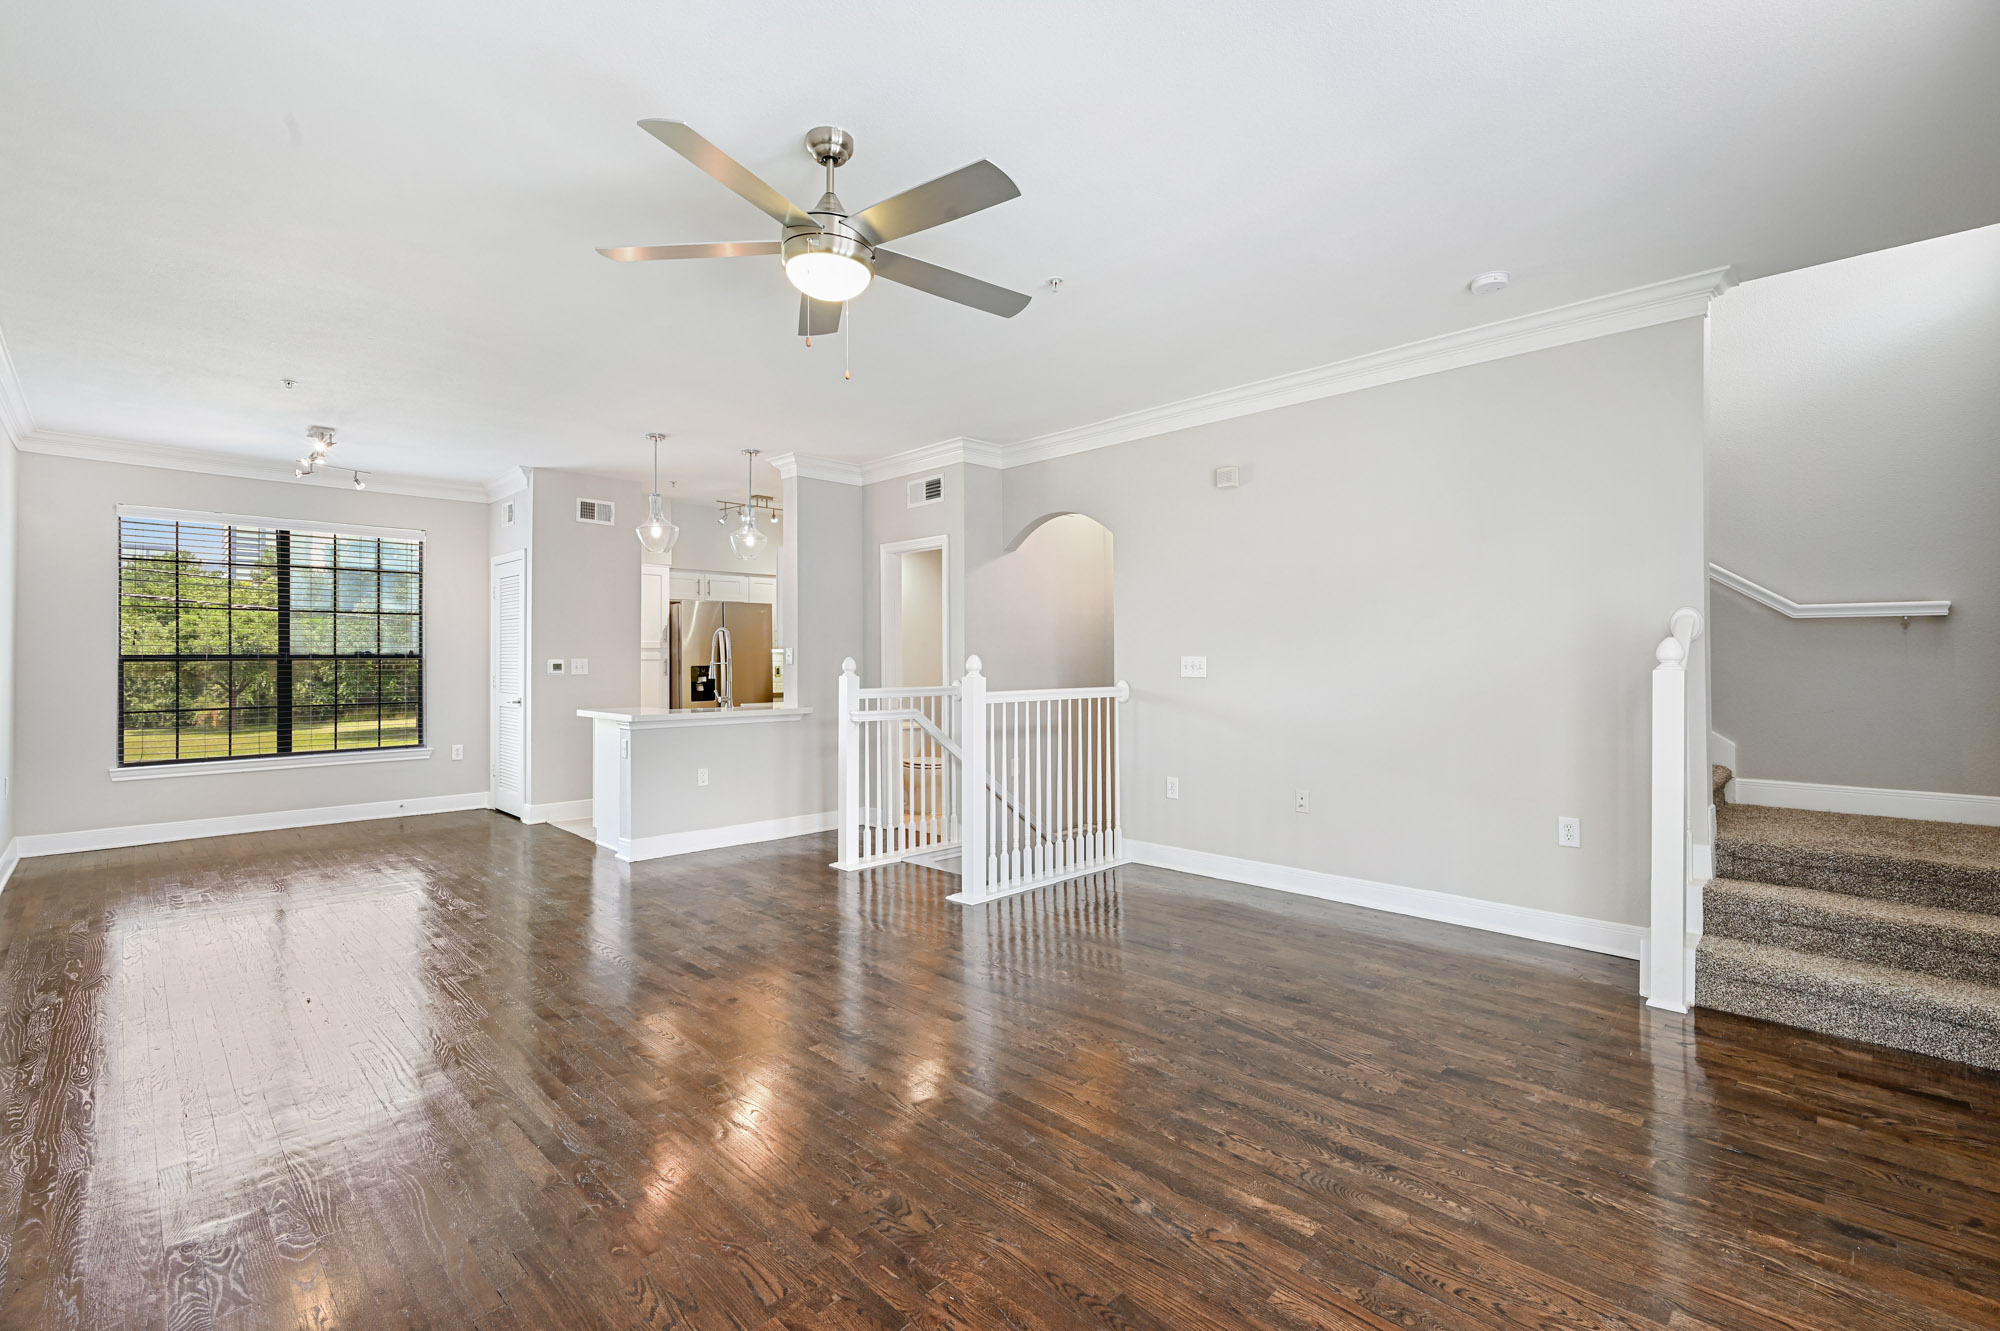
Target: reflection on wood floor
(452, 1071)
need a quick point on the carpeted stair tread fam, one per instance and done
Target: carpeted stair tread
(1953, 1019)
(1949, 944)
(1950, 865)
(1718, 777)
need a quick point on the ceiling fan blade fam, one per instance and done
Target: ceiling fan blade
(951, 285)
(732, 173)
(716, 249)
(966, 190)
(825, 315)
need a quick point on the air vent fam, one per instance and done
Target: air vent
(930, 490)
(594, 510)
(1226, 478)
(507, 514)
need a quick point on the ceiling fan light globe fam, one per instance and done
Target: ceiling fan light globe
(828, 277)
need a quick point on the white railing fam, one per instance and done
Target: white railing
(1669, 981)
(1785, 605)
(1023, 783)
(1043, 803)
(900, 771)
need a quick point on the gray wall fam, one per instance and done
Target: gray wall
(583, 601)
(1855, 456)
(1043, 610)
(67, 606)
(9, 562)
(1432, 604)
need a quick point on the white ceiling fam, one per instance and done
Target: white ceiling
(396, 204)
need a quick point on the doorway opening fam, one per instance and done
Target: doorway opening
(916, 614)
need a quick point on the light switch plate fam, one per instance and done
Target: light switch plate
(1569, 832)
(555, 665)
(579, 665)
(1194, 667)
(701, 776)
(1173, 787)
(458, 753)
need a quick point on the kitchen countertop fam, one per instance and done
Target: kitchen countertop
(648, 718)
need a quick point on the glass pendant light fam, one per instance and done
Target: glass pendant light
(656, 533)
(746, 540)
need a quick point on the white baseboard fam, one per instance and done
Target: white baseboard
(568, 811)
(146, 834)
(1547, 926)
(10, 860)
(715, 838)
(1929, 806)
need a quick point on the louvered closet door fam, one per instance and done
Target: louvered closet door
(510, 679)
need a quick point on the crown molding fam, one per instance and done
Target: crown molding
(134, 454)
(801, 466)
(16, 421)
(1600, 316)
(950, 452)
(509, 482)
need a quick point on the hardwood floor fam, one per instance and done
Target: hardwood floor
(451, 1071)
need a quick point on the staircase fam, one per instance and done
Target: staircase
(1878, 929)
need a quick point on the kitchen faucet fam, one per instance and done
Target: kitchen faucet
(725, 671)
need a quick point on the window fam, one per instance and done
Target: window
(247, 638)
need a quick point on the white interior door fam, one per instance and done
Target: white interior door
(510, 680)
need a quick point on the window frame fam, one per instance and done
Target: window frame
(121, 769)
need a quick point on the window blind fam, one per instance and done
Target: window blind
(247, 641)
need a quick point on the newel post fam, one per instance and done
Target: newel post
(850, 766)
(1667, 960)
(973, 797)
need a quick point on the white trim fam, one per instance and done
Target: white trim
(1926, 805)
(891, 555)
(16, 421)
(1721, 751)
(147, 834)
(972, 452)
(1785, 605)
(509, 482)
(308, 525)
(1547, 926)
(171, 458)
(715, 838)
(219, 767)
(493, 673)
(10, 860)
(800, 466)
(1621, 312)
(566, 811)
(662, 718)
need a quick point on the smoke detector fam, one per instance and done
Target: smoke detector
(1487, 283)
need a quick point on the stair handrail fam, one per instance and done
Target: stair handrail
(1786, 606)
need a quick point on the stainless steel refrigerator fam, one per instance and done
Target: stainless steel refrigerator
(692, 675)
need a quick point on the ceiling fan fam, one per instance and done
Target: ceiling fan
(829, 255)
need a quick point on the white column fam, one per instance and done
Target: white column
(850, 768)
(973, 798)
(1667, 960)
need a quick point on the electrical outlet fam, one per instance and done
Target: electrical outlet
(579, 665)
(1194, 667)
(1173, 787)
(555, 665)
(458, 753)
(701, 776)
(1300, 803)
(1569, 832)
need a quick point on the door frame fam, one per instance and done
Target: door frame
(892, 606)
(493, 679)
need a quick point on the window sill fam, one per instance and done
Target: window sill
(270, 764)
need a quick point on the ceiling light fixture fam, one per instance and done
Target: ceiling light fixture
(747, 541)
(657, 534)
(359, 484)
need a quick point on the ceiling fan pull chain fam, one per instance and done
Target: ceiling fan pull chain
(809, 323)
(847, 347)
